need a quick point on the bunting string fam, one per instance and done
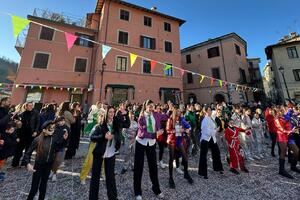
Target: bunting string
(20, 23)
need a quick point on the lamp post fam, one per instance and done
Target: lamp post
(281, 69)
(102, 72)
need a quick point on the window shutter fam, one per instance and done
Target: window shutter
(141, 41)
(153, 44)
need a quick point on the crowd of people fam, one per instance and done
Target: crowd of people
(52, 135)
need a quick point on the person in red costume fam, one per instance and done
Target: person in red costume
(235, 151)
(283, 130)
(269, 115)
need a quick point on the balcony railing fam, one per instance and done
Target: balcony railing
(62, 17)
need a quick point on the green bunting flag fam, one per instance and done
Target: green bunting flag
(221, 83)
(18, 24)
(167, 66)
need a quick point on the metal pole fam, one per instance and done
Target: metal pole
(102, 71)
(287, 91)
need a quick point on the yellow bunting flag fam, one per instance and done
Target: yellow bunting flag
(202, 78)
(18, 24)
(132, 59)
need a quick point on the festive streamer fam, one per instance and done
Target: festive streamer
(201, 78)
(105, 50)
(167, 67)
(221, 83)
(153, 64)
(18, 24)
(182, 72)
(132, 59)
(212, 80)
(70, 38)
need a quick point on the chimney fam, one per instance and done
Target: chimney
(286, 37)
(293, 34)
(153, 8)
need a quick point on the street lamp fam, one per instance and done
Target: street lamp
(102, 72)
(281, 69)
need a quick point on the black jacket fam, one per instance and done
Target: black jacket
(219, 124)
(60, 130)
(51, 145)
(9, 147)
(30, 122)
(119, 122)
(4, 118)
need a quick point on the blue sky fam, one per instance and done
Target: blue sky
(259, 22)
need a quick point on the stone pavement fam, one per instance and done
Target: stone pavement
(262, 182)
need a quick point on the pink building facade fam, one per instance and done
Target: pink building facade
(223, 58)
(51, 73)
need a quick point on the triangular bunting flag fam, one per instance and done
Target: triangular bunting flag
(167, 66)
(212, 80)
(221, 83)
(202, 78)
(18, 24)
(132, 59)
(182, 72)
(70, 40)
(153, 63)
(105, 50)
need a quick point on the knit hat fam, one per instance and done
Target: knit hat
(47, 124)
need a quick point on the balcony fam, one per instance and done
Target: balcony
(20, 42)
(62, 17)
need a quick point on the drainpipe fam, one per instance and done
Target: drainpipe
(225, 74)
(105, 38)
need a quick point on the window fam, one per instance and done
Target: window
(213, 52)
(146, 67)
(121, 64)
(242, 76)
(188, 59)
(34, 95)
(46, 33)
(124, 15)
(292, 52)
(168, 46)
(189, 78)
(296, 74)
(237, 49)
(251, 64)
(147, 42)
(167, 26)
(41, 60)
(80, 41)
(123, 37)
(147, 21)
(80, 64)
(216, 73)
(169, 72)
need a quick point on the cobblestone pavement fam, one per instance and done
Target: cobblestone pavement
(262, 182)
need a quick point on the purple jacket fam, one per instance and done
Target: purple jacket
(142, 125)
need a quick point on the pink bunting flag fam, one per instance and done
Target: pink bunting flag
(182, 72)
(70, 40)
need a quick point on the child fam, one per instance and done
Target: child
(234, 147)
(129, 143)
(258, 135)
(61, 128)
(8, 143)
(45, 145)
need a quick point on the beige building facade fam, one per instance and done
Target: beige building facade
(285, 63)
